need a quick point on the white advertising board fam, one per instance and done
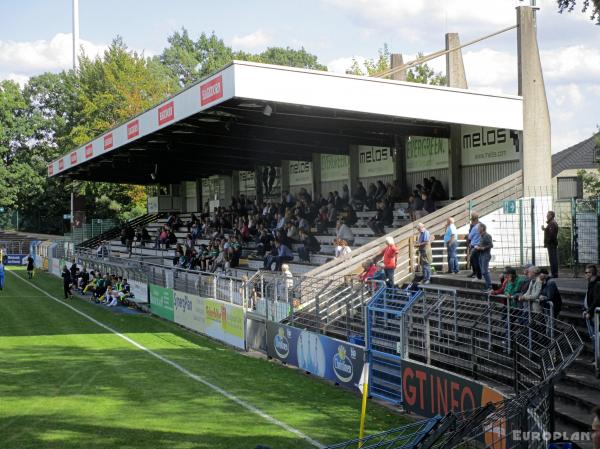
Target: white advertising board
(189, 311)
(139, 290)
(426, 153)
(374, 161)
(335, 167)
(481, 145)
(300, 173)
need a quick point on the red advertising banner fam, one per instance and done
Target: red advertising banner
(50, 169)
(166, 113)
(133, 129)
(211, 91)
(73, 157)
(108, 141)
(61, 164)
(89, 151)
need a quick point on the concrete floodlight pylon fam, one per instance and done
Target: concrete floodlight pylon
(455, 77)
(536, 142)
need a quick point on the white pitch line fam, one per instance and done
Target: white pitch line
(181, 369)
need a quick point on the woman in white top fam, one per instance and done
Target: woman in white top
(341, 248)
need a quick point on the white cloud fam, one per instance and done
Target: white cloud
(568, 96)
(575, 62)
(251, 41)
(21, 80)
(491, 71)
(28, 58)
(420, 15)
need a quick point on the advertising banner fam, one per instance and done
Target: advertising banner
(426, 153)
(139, 290)
(374, 161)
(300, 173)
(482, 145)
(55, 266)
(429, 391)
(161, 302)
(247, 181)
(224, 322)
(321, 356)
(335, 167)
(189, 311)
(16, 259)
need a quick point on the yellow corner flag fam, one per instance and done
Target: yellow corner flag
(363, 386)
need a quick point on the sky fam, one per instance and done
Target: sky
(35, 36)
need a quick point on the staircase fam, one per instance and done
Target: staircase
(115, 232)
(578, 391)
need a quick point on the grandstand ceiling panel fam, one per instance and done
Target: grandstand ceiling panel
(251, 114)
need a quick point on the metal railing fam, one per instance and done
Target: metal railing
(513, 347)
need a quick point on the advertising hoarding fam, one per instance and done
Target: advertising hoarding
(426, 153)
(374, 161)
(320, 355)
(161, 302)
(189, 311)
(300, 173)
(224, 322)
(481, 145)
(335, 167)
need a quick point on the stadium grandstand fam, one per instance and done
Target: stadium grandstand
(272, 195)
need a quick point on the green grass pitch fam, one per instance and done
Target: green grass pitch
(66, 382)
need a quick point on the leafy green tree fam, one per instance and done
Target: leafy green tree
(287, 57)
(591, 180)
(189, 60)
(19, 163)
(109, 90)
(421, 73)
(593, 5)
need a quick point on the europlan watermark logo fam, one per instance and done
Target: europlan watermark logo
(556, 440)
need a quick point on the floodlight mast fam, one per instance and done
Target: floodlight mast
(75, 66)
(75, 33)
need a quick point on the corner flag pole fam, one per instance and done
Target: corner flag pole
(363, 386)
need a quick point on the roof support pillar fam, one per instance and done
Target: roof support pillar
(455, 77)
(537, 153)
(316, 175)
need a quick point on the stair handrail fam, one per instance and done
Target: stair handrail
(509, 187)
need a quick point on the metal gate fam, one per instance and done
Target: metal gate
(387, 341)
(585, 225)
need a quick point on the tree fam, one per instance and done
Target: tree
(591, 181)
(420, 73)
(189, 60)
(20, 179)
(593, 5)
(109, 90)
(287, 57)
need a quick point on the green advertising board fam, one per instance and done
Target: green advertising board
(161, 302)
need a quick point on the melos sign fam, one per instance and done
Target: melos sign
(482, 145)
(374, 161)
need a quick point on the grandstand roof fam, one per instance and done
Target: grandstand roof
(251, 114)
